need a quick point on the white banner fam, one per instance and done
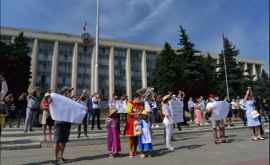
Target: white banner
(177, 110)
(65, 109)
(220, 109)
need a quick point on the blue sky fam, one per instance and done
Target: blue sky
(244, 22)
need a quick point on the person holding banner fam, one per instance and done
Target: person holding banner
(61, 132)
(252, 114)
(218, 110)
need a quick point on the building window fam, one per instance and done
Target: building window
(136, 78)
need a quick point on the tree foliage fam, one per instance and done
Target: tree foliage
(15, 64)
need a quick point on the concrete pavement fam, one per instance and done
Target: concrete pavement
(191, 149)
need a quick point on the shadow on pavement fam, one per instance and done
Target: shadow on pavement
(164, 151)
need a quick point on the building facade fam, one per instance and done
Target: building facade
(60, 59)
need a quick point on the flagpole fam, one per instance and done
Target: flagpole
(225, 69)
(97, 51)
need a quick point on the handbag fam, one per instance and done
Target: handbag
(255, 114)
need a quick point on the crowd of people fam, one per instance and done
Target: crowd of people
(134, 118)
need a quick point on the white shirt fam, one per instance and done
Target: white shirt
(147, 106)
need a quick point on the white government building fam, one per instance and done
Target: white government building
(60, 59)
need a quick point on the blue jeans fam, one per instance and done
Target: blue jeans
(28, 120)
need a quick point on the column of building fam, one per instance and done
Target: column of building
(111, 72)
(34, 64)
(254, 72)
(245, 69)
(144, 69)
(128, 74)
(74, 71)
(54, 70)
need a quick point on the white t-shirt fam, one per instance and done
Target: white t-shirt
(147, 106)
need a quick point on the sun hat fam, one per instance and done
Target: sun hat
(166, 97)
(112, 112)
(144, 112)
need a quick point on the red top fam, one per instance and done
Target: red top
(44, 105)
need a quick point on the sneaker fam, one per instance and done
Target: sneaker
(55, 162)
(170, 148)
(260, 138)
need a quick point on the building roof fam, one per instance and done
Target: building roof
(104, 41)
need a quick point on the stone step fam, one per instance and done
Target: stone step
(31, 142)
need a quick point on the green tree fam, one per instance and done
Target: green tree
(165, 72)
(15, 64)
(234, 72)
(261, 87)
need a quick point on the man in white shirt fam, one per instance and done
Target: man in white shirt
(96, 111)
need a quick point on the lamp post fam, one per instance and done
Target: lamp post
(97, 51)
(225, 69)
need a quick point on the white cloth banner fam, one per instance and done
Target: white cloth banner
(65, 109)
(220, 109)
(176, 107)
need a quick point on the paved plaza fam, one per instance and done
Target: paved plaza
(191, 149)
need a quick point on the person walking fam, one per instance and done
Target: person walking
(191, 108)
(96, 111)
(252, 114)
(167, 121)
(32, 106)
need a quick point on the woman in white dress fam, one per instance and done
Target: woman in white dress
(252, 115)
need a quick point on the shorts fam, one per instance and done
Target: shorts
(230, 114)
(217, 123)
(47, 119)
(61, 132)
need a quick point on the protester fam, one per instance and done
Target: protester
(176, 106)
(234, 108)
(61, 132)
(145, 141)
(3, 106)
(121, 106)
(252, 115)
(243, 112)
(46, 117)
(11, 113)
(197, 112)
(217, 124)
(96, 111)
(113, 134)
(230, 115)
(167, 121)
(135, 107)
(32, 106)
(21, 106)
(90, 109)
(266, 108)
(191, 108)
(83, 100)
